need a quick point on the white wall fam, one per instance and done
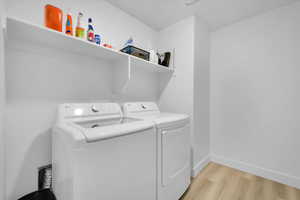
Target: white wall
(255, 94)
(2, 102)
(181, 37)
(38, 79)
(201, 94)
(177, 95)
(188, 89)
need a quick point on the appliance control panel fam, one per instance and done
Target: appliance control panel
(89, 109)
(140, 107)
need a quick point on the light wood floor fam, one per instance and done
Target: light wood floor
(217, 182)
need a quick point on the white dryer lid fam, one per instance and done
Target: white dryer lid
(166, 118)
(150, 111)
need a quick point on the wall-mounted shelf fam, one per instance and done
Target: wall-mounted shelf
(152, 67)
(18, 30)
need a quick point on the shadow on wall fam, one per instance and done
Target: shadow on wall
(23, 183)
(164, 79)
(143, 86)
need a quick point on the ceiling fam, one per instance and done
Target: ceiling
(217, 13)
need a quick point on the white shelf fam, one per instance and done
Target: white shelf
(152, 67)
(18, 30)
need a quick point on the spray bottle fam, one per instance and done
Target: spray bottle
(79, 30)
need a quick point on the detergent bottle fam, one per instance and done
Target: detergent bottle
(69, 25)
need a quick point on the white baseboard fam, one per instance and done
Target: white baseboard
(258, 171)
(200, 165)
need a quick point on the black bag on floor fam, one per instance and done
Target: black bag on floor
(45, 194)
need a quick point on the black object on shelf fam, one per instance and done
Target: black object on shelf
(134, 51)
(45, 194)
(164, 59)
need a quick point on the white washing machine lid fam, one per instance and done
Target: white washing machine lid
(94, 131)
(91, 122)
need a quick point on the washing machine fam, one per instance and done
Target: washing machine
(173, 148)
(99, 154)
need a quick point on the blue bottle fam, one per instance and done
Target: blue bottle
(97, 39)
